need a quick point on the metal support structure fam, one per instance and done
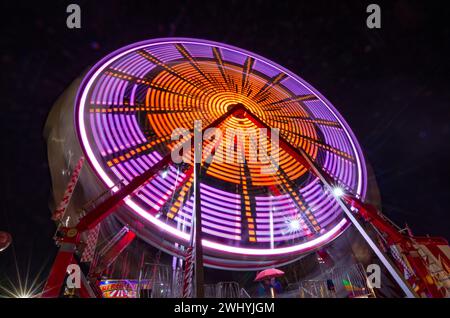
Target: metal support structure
(327, 182)
(104, 209)
(112, 253)
(100, 212)
(108, 206)
(197, 229)
(406, 243)
(86, 290)
(64, 257)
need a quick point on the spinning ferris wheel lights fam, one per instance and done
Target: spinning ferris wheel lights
(294, 225)
(130, 103)
(338, 191)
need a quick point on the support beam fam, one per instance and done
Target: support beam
(64, 258)
(297, 153)
(406, 244)
(86, 289)
(105, 208)
(114, 252)
(327, 181)
(197, 230)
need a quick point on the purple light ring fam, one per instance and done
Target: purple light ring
(208, 244)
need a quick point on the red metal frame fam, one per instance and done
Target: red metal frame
(65, 257)
(423, 280)
(114, 252)
(71, 236)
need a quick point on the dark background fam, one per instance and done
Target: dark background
(391, 85)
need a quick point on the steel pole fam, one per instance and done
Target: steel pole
(301, 154)
(198, 247)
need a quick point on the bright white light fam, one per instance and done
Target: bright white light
(21, 291)
(338, 191)
(23, 286)
(294, 225)
(165, 173)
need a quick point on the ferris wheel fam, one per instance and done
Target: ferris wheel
(131, 103)
(213, 153)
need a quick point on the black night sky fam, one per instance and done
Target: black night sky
(391, 85)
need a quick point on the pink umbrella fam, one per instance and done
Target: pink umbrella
(268, 274)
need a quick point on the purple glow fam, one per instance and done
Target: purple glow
(222, 210)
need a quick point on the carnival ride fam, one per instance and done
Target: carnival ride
(271, 171)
